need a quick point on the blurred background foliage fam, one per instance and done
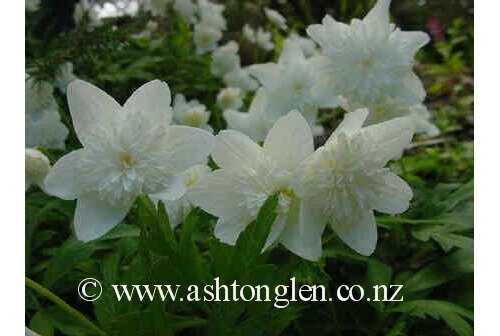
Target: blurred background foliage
(429, 249)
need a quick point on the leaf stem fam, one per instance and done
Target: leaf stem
(63, 305)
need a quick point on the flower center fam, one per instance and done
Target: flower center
(126, 161)
(297, 87)
(367, 62)
(194, 117)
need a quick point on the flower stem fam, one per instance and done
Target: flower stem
(63, 305)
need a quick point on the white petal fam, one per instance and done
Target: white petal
(185, 146)
(92, 111)
(227, 230)
(266, 73)
(352, 123)
(94, 217)
(64, 180)
(410, 42)
(388, 139)
(379, 14)
(289, 141)
(276, 229)
(175, 191)
(303, 230)
(394, 195)
(236, 150)
(359, 231)
(153, 99)
(228, 192)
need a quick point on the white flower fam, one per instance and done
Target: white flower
(155, 7)
(65, 76)
(85, 12)
(249, 34)
(32, 5)
(240, 78)
(43, 126)
(230, 99)
(211, 14)
(46, 131)
(225, 59)
(187, 9)
(388, 107)
(255, 123)
(290, 84)
(275, 18)
(206, 38)
(191, 113)
(345, 180)
(128, 151)
(179, 209)
(308, 46)
(249, 174)
(38, 96)
(36, 167)
(368, 58)
(263, 39)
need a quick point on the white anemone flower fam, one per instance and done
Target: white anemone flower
(388, 107)
(308, 46)
(240, 78)
(65, 76)
(36, 168)
(191, 113)
(291, 83)
(263, 39)
(187, 9)
(225, 59)
(46, 131)
(249, 174)
(368, 58)
(43, 126)
(276, 18)
(178, 209)
(211, 14)
(128, 151)
(346, 179)
(255, 123)
(230, 99)
(249, 33)
(206, 38)
(38, 96)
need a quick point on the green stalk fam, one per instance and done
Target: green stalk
(63, 305)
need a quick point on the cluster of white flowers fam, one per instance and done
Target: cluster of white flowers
(147, 147)
(43, 125)
(206, 17)
(86, 13)
(259, 37)
(276, 18)
(369, 63)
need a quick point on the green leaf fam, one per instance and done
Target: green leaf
(453, 315)
(441, 271)
(41, 324)
(155, 226)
